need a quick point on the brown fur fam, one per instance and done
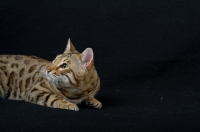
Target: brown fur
(63, 83)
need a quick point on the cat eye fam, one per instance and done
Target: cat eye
(64, 65)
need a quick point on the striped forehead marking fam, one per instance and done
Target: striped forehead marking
(64, 57)
(62, 61)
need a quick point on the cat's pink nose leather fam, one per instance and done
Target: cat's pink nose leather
(48, 70)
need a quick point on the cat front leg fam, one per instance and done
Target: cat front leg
(47, 98)
(91, 101)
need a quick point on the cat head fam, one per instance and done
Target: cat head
(67, 69)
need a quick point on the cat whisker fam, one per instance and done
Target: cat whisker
(55, 51)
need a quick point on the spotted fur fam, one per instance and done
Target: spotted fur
(68, 80)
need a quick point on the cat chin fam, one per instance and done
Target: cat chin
(64, 82)
(59, 82)
(49, 77)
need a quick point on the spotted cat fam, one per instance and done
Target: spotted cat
(71, 78)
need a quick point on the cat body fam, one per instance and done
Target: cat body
(68, 80)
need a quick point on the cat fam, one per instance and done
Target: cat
(71, 78)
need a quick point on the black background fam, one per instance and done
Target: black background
(147, 54)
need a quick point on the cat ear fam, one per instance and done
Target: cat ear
(70, 47)
(87, 58)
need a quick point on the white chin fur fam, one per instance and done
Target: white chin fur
(59, 81)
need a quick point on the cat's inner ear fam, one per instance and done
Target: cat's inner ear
(87, 58)
(70, 47)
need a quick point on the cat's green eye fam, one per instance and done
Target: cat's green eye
(64, 65)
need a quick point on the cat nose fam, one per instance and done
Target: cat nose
(48, 70)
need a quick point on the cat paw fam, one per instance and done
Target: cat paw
(97, 105)
(93, 103)
(72, 107)
(69, 106)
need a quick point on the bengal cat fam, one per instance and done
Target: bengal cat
(71, 78)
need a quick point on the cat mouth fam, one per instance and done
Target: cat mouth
(49, 76)
(59, 82)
